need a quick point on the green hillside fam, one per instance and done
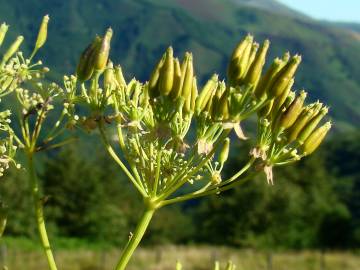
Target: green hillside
(209, 28)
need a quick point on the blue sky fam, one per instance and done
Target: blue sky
(334, 10)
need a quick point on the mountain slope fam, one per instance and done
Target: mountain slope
(209, 28)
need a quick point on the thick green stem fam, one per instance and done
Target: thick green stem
(135, 239)
(39, 213)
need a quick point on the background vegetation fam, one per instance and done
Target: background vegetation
(313, 205)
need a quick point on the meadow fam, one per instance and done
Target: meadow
(193, 257)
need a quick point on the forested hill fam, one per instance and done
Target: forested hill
(209, 28)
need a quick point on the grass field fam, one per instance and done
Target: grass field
(193, 258)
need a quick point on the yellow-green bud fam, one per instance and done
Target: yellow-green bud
(254, 73)
(109, 78)
(286, 57)
(85, 66)
(154, 78)
(224, 153)
(102, 54)
(243, 63)
(206, 93)
(12, 49)
(283, 78)
(119, 77)
(188, 77)
(266, 80)
(176, 92)
(291, 114)
(3, 29)
(42, 35)
(302, 120)
(234, 68)
(315, 139)
(254, 49)
(194, 95)
(310, 127)
(279, 101)
(167, 73)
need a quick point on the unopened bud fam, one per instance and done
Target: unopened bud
(42, 35)
(206, 93)
(188, 77)
(234, 69)
(109, 78)
(279, 101)
(167, 73)
(177, 86)
(85, 66)
(283, 78)
(266, 80)
(302, 120)
(154, 78)
(256, 67)
(119, 76)
(310, 127)
(315, 139)
(194, 95)
(3, 29)
(224, 153)
(291, 114)
(12, 49)
(103, 51)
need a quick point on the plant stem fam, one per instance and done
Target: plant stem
(135, 238)
(39, 213)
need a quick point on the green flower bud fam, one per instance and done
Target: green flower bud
(265, 81)
(243, 63)
(291, 114)
(282, 79)
(224, 153)
(254, 49)
(3, 29)
(12, 49)
(109, 78)
(167, 73)
(42, 35)
(254, 73)
(85, 66)
(315, 139)
(299, 124)
(279, 101)
(286, 57)
(154, 78)
(102, 54)
(206, 93)
(119, 77)
(234, 70)
(194, 95)
(188, 77)
(176, 92)
(310, 127)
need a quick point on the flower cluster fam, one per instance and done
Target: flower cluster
(170, 133)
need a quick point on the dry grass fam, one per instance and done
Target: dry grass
(193, 258)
